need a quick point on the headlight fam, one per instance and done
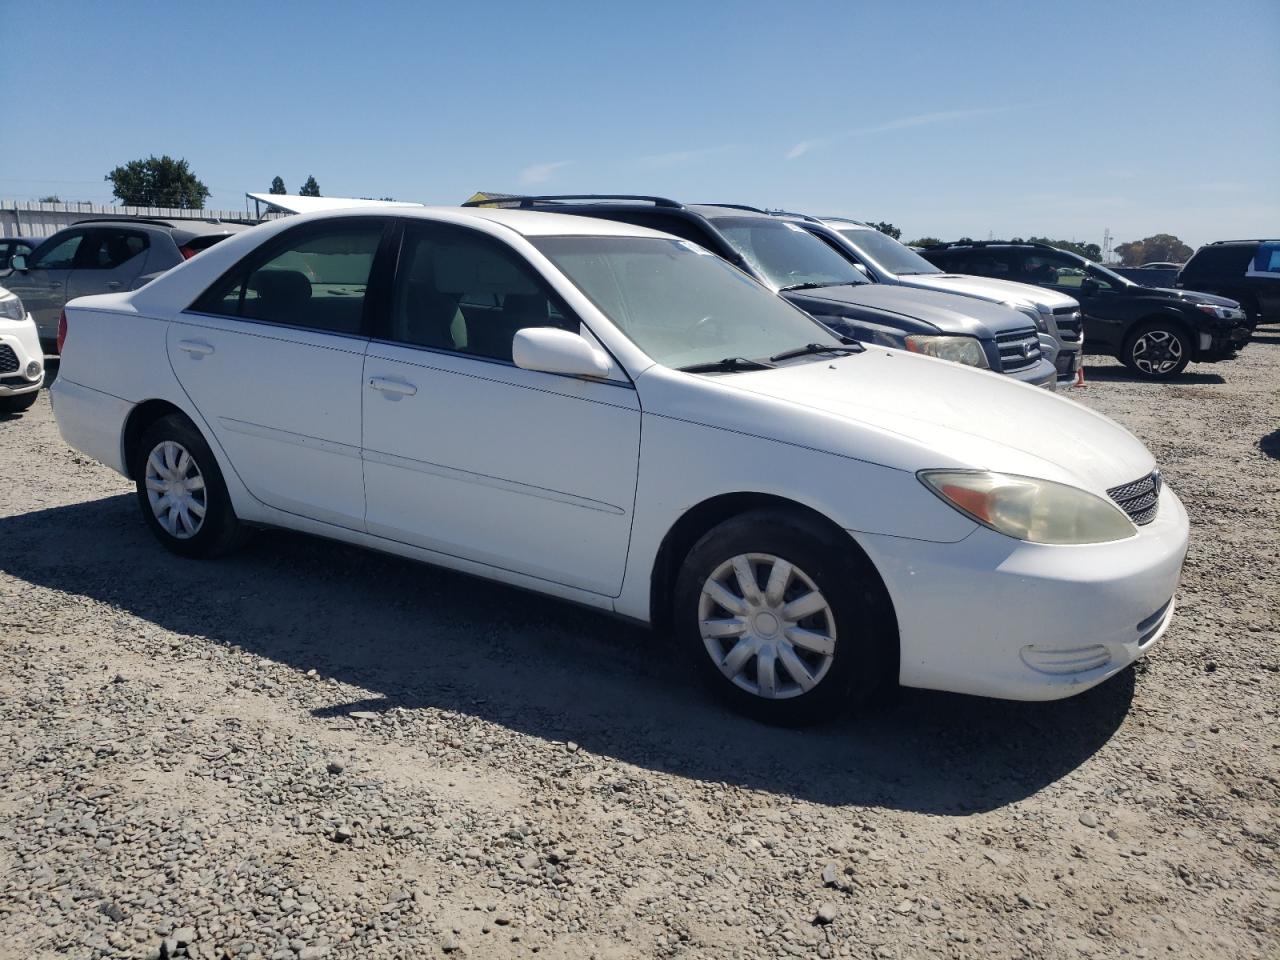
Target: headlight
(1038, 511)
(1032, 313)
(964, 350)
(1222, 313)
(11, 307)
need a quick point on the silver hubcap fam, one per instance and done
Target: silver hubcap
(766, 626)
(175, 489)
(1157, 351)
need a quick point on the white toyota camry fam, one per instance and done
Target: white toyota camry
(613, 416)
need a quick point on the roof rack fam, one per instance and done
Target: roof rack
(1255, 240)
(521, 202)
(965, 242)
(790, 213)
(733, 206)
(151, 220)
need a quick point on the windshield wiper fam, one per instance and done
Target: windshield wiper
(815, 284)
(852, 346)
(726, 365)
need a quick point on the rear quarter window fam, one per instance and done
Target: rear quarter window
(1219, 261)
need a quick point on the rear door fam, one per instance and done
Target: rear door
(272, 356)
(1263, 280)
(109, 260)
(43, 285)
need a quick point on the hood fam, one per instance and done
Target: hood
(956, 416)
(948, 312)
(987, 288)
(1189, 296)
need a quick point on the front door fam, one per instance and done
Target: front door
(272, 356)
(467, 454)
(43, 285)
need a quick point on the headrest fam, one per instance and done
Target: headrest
(281, 286)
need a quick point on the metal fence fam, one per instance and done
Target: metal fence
(29, 218)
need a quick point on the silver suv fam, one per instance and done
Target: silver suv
(885, 260)
(104, 256)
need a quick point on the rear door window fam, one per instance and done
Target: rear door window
(314, 277)
(108, 249)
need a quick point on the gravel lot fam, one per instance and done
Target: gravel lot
(306, 750)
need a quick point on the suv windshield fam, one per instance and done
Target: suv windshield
(888, 253)
(786, 255)
(679, 303)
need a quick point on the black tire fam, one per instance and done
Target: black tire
(863, 663)
(1157, 350)
(219, 530)
(19, 403)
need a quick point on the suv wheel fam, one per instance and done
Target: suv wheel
(1157, 350)
(181, 491)
(782, 623)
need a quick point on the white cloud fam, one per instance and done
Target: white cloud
(542, 172)
(679, 158)
(801, 148)
(899, 123)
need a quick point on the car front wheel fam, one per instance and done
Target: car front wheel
(181, 491)
(784, 621)
(1157, 350)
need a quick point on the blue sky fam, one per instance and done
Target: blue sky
(947, 119)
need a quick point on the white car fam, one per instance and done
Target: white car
(21, 359)
(614, 416)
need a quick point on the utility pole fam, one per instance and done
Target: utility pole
(1106, 245)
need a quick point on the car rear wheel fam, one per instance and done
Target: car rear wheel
(181, 491)
(19, 403)
(1157, 350)
(784, 622)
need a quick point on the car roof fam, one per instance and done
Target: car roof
(31, 240)
(193, 228)
(1238, 243)
(533, 223)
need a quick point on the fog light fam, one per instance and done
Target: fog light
(33, 369)
(1065, 660)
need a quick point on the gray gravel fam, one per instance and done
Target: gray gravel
(307, 750)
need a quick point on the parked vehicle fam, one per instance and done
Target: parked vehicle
(21, 359)
(809, 273)
(101, 256)
(1154, 331)
(885, 260)
(1244, 270)
(11, 246)
(603, 413)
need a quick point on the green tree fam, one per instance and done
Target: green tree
(924, 242)
(1090, 251)
(310, 188)
(277, 186)
(52, 198)
(888, 228)
(158, 182)
(1163, 247)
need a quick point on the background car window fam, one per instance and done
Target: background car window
(315, 279)
(1267, 260)
(461, 291)
(108, 249)
(55, 254)
(785, 254)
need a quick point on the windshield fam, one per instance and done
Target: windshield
(786, 255)
(1110, 275)
(679, 303)
(886, 252)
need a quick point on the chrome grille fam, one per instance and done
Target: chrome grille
(1070, 325)
(8, 359)
(1139, 499)
(1019, 349)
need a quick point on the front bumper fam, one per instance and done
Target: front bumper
(16, 358)
(1221, 344)
(998, 617)
(1042, 374)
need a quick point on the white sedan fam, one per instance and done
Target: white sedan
(613, 416)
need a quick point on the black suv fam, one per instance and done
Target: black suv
(1155, 332)
(809, 273)
(1244, 270)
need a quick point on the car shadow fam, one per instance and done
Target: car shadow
(417, 636)
(1122, 374)
(1270, 444)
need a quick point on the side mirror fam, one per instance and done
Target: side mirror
(1089, 287)
(19, 262)
(549, 350)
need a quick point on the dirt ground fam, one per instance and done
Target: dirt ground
(307, 750)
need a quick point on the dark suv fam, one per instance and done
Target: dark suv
(104, 256)
(1244, 270)
(1155, 332)
(809, 273)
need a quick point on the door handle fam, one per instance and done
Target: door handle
(195, 347)
(397, 387)
(113, 284)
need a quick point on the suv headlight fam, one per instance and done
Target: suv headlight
(1038, 511)
(11, 307)
(1222, 313)
(966, 350)
(1035, 315)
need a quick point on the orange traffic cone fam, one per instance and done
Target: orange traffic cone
(1079, 376)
